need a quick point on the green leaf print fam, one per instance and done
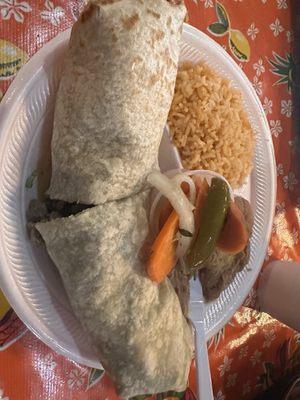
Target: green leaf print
(94, 377)
(217, 28)
(222, 15)
(283, 67)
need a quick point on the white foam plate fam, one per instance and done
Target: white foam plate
(27, 276)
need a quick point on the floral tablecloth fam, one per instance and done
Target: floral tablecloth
(253, 352)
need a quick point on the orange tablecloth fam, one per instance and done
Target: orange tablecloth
(253, 351)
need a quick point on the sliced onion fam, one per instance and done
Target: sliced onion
(184, 208)
(158, 203)
(179, 179)
(155, 214)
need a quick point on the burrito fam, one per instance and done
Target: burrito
(137, 327)
(114, 97)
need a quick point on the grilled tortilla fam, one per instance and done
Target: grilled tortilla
(114, 97)
(137, 327)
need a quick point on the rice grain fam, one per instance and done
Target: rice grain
(209, 125)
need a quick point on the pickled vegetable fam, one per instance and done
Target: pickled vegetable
(212, 218)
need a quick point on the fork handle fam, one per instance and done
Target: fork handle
(204, 384)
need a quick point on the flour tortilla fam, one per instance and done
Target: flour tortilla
(137, 326)
(114, 98)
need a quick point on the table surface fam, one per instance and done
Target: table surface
(252, 351)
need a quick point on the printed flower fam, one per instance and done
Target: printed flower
(52, 14)
(49, 362)
(2, 394)
(208, 3)
(251, 298)
(219, 396)
(257, 85)
(76, 378)
(269, 253)
(281, 4)
(290, 181)
(246, 388)
(286, 108)
(289, 36)
(252, 31)
(231, 381)
(280, 169)
(267, 106)
(280, 207)
(256, 357)
(217, 338)
(259, 68)
(286, 257)
(9, 8)
(293, 145)
(276, 28)
(274, 227)
(269, 338)
(243, 352)
(225, 367)
(295, 236)
(276, 128)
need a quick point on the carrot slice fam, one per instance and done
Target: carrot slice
(167, 208)
(166, 211)
(163, 251)
(234, 236)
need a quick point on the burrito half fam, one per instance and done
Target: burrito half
(137, 326)
(114, 98)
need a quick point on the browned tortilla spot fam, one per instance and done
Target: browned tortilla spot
(155, 14)
(157, 35)
(106, 2)
(87, 12)
(154, 78)
(129, 22)
(137, 60)
(151, 42)
(169, 22)
(160, 35)
(167, 58)
(114, 37)
(175, 2)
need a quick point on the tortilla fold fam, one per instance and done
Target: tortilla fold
(114, 97)
(137, 327)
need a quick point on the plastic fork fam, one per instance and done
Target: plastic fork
(196, 316)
